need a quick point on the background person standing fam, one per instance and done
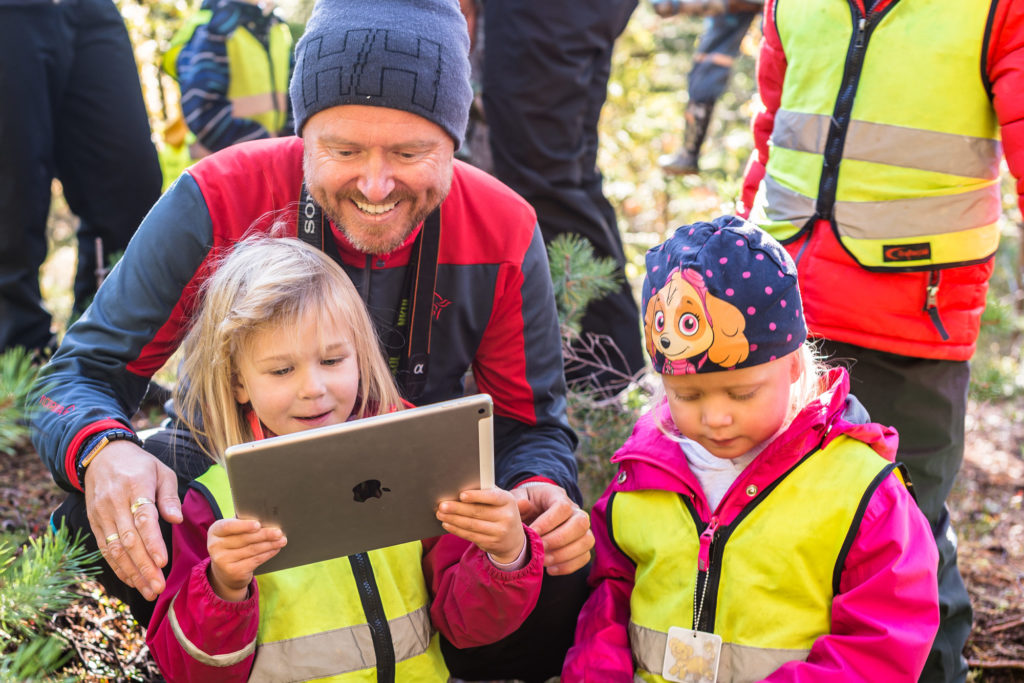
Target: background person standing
(724, 28)
(71, 109)
(545, 79)
(233, 59)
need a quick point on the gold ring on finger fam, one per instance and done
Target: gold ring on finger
(139, 502)
(112, 537)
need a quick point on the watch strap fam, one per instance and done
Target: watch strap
(98, 442)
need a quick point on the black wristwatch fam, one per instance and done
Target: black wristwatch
(97, 443)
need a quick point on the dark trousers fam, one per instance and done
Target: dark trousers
(534, 652)
(545, 80)
(71, 108)
(723, 34)
(926, 401)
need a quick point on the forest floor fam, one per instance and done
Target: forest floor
(987, 512)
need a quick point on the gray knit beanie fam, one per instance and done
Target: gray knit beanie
(411, 55)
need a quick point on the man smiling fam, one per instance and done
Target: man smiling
(449, 262)
(382, 178)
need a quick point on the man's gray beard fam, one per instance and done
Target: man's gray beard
(387, 248)
(360, 245)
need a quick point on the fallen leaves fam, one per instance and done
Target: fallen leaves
(986, 510)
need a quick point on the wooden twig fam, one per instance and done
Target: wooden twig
(1017, 664)
(1006, 625)
(598, 354)
(74, 644)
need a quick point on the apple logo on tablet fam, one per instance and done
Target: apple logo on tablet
(365, 490)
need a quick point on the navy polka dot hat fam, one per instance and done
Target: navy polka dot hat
(718, 296)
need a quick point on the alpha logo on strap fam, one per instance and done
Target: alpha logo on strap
(906, 252)
(418, 365)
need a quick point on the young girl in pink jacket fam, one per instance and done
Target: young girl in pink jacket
(282, 343)
(757, 528)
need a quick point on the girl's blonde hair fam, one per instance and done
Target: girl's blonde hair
(265, 283)
(812, 383)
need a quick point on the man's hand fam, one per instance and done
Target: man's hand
(125, 489)
(561, 524)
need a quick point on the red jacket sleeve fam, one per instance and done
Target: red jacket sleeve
(771, 72)
(474, 602)
(195, 635)
(1006, 74)
(601, 651)
(887, 611)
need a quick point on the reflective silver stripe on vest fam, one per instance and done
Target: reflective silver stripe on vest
(341, 651)
(919, 215)
(880, 143)
(227, 659)
(784, 205)
(896, 218)
(249, 106)
(738, 663)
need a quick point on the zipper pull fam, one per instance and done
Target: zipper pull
(861, 24)
(706, 539)
(931, 303)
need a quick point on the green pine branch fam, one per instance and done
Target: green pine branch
(35, 586)
(17, 373)
(579, 277)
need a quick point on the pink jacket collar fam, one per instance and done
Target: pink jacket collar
(651, 460)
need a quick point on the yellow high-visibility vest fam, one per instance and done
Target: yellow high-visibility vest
(779, 563)
(867, 138)
(312, 622)
(257, 76)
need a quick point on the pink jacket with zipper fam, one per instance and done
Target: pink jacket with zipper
(886, 613)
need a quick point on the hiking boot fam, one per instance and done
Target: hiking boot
(682, 163)
(696, 120)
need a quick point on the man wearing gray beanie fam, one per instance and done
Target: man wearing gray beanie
(449, 261)
(401, 55)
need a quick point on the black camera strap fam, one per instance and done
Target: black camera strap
(408, 345)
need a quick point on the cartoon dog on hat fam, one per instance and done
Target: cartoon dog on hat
(684, 322)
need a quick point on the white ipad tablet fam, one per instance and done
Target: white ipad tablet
(364, 484)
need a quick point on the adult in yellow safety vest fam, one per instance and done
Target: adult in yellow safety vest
(233, 60)
(877, 165)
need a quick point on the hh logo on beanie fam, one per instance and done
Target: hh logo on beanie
(372, 64)
(411, 55)
(718, 296)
